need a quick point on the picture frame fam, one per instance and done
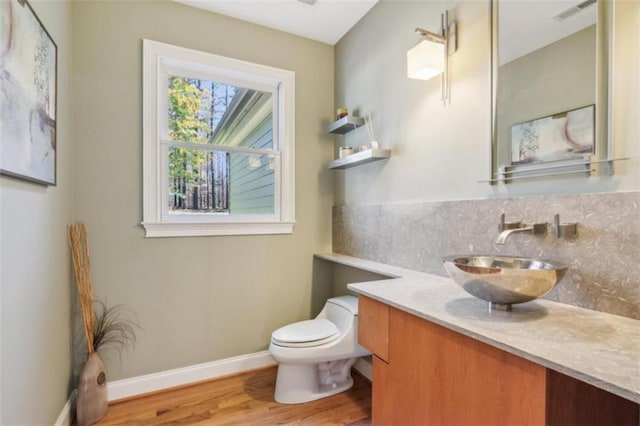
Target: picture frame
(563, 136)
(28, 95)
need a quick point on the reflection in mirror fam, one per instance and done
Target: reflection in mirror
(550, 87)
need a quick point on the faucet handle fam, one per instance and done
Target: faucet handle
(537, 228)
(504, 226)
(566, 230)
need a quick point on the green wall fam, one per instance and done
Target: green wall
(206, 298)
(35, 269)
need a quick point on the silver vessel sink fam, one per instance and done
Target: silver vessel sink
(504, 280)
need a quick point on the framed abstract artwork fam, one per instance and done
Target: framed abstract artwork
(561, 136)
(28, 86)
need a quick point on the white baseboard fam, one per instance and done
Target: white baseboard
(364, 367)
(66, 416)
(126, 388)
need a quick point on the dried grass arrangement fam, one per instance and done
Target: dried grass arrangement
(107, 326)
(113, 326)
(79, 239)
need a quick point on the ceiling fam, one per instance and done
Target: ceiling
(526, 25)
(326, 21)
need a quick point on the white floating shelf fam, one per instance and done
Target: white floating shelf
(361, 157)
(345, 124)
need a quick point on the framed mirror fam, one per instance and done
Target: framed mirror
(550, 100)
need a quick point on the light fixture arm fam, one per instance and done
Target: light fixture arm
(431, 56)
(444, 22)
(447, 37)
(436, 38)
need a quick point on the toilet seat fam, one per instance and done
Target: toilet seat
(305, 334)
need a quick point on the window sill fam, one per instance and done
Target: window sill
(172, 229)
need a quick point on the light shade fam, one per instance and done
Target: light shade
(426, 60)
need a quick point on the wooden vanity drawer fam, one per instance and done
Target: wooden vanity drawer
(373, 326)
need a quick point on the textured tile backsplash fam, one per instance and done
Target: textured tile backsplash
(604, 260)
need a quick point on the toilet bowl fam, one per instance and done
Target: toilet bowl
(315, 356)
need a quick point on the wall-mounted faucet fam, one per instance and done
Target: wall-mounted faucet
(508, 228)
(503, 226)
(566, 230)
(560, 230)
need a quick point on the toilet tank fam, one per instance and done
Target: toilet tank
(342, 311)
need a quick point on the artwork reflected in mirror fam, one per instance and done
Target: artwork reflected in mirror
(28, 57)
(561, 136)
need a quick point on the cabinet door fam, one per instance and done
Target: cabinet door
(382, 410)
(440, 377)
(373, 326)
(572, 402)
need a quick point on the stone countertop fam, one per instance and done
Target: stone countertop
(595, 347)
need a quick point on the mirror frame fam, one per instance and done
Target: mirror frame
(600, 162)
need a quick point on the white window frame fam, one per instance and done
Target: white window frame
(160, 60)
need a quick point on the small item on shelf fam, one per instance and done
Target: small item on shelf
(363, 148)
(345, 151)
(368, 124)
(341, 112)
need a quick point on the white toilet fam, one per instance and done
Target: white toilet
(315, 356)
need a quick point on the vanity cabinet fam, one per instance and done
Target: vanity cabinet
(426, 374)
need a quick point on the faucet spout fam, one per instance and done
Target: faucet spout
(534, 228)
(502, 238)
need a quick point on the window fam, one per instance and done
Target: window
(218, 145)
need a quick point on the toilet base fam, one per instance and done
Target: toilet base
(300, 383)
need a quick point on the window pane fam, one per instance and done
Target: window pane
(251, 183)
(204, 111)
(198, 181)
(206, 182)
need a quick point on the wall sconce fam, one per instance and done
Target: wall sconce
(430, 57)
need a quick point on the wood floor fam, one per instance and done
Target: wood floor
(244, 399)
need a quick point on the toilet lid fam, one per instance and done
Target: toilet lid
(306, 333)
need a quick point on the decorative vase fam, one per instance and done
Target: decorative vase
(92, 402)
